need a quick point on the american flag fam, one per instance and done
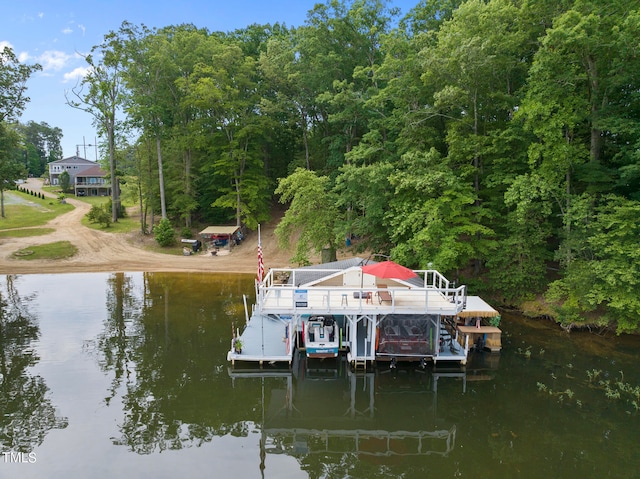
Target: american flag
(260, 260)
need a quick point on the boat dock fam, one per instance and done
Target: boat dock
(379, 319)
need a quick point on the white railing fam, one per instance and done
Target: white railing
(429, 277)
(282, 289)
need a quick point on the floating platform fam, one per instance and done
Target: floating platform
(266, 338)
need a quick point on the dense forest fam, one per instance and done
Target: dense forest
(495, 141)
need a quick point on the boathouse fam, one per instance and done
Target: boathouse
(411, 317)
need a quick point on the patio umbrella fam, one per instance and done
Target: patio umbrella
(388, 269)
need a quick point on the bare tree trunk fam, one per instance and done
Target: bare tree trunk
(476, 173)
(596, 134)
(143, 223)
(163, 205)
(115, 188)
(187, 183)
(305, 137)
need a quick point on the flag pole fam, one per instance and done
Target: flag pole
(260, 258)
(260, 275)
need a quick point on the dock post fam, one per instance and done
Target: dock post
(246, 310)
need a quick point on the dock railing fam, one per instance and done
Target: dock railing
(289, 291)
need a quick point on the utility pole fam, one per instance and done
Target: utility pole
(84, 145)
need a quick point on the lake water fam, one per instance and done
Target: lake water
(125, 375)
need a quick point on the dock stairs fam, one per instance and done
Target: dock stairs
(446, 340)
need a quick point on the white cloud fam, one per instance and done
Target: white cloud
(4, 43)
(40, 14)
(53, 60)
(67, 31)
(76, 74)
(82, 27)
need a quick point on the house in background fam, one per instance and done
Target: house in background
(87, 178)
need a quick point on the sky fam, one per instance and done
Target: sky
(56, 33)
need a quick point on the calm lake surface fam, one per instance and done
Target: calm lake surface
(125, 375)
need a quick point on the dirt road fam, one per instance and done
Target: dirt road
(100, 251)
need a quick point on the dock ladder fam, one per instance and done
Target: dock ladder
(360, 363)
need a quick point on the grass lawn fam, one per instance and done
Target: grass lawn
(38, 213)
(123, 225)
(25, 233)
(57, 250)
(28, 211)
(93, 200)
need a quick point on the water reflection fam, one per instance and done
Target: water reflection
(27, 412)
(337, 421)
(156, 345)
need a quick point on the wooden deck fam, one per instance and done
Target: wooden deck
(490, 336)
(289, 300)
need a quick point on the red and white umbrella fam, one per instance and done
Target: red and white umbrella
(389, 269)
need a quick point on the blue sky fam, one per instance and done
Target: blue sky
(55, 32)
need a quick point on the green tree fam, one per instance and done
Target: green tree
(428, 15)
(430, 215)
(580, 68)
(312, 214)
(98, 214)
(226, 90)
(186, 49)
(65, 181)
(13, 85)
(164, 233)
(517, 268)
(42, 143)
(601, 283)
(475, 68)
(144, 78)
(100, 95)
(287, 97)
(10, 170)
(13, 79)
(158, 73)
(364, 193)
(337, 53)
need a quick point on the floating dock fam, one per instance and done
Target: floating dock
(388, 319)
(266, 338)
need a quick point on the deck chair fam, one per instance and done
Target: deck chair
(384, 295)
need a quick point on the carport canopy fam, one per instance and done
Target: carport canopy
(219, 231)
(219, 235)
